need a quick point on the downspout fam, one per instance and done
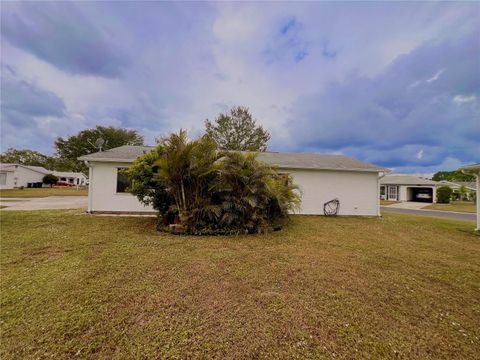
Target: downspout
(378, 191)
(90, 187)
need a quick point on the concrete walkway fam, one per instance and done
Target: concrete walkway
(45, 203)
(435, 213)
(409, 205)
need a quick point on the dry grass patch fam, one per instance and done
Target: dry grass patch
(388, 202)
(106, 287)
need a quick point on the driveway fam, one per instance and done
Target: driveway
(50, 202)
(409, 205)
(435, 213)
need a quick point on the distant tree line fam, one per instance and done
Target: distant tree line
(67, 150)
(234, 130)
(452, 176)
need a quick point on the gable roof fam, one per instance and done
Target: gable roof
(471, 166)
(402, 179)
(12, 167)
(469, 185)
(316, 162)
(129, 153)
(126, 153)
(68, 174)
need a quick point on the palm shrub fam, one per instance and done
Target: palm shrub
(254, 198)
(211, 192)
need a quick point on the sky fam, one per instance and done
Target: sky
(396, 84)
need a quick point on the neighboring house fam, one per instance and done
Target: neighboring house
(470, 187)
(17, 175)
(73, 178)
(399, 187)
(320, 178)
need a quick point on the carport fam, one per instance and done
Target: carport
(420, 194)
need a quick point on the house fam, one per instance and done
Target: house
(474, 169)
(400, 187)
(321, 178)
(17, 175)
(470, 187)
(74, 178)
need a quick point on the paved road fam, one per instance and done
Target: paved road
(436, 213)
(50, 202)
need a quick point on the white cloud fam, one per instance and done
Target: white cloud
(436, 76)
(462, 99)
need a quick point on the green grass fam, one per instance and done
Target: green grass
(44, 192)
(396, 287)
(461, 206)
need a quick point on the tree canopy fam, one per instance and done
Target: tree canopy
(237, 130)
(83, 143)
(452, 176)
(50, 179)
(34, 158)
(206, 191)
(24, 157)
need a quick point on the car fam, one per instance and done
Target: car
(63, 183)
(424, 196)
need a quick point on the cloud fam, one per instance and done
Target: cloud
(462, 99)
(25, 109)
(377, 117)
(288, 44)
(60, 34)
(22, 100)
(436, 76)
(346, 78)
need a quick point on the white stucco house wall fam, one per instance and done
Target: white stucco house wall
(321, 178)
(17, 175)
(401, 187)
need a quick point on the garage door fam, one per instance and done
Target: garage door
(420, 194)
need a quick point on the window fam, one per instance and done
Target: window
(3, 178)
(122, 181)
(392, 193)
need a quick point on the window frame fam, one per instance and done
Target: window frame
(116, 185)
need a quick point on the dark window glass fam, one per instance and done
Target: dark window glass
(122, 181)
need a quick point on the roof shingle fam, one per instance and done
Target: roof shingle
(129, 153)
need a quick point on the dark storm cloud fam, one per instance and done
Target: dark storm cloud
(60, 34)
(426, 100)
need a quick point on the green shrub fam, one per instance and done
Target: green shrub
(205, 191)
(50, 179)
(444, 194)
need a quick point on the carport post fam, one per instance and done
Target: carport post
(474, 170)
(478, 202)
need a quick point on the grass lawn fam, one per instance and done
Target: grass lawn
(388, 202)
(396, 287)
(461, 206)
(44, 192)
